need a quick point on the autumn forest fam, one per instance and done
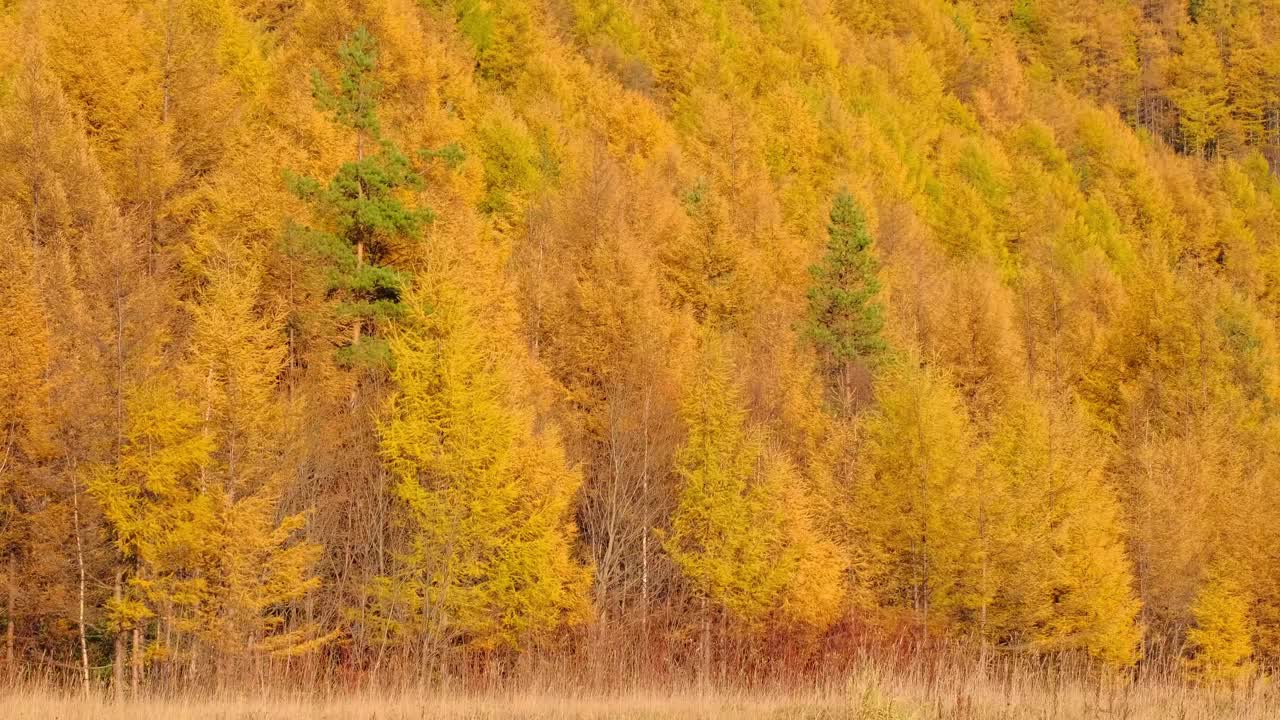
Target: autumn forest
(427, 339)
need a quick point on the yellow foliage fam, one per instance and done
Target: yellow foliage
(1221, 646)
(1074, 211)
(742, 531)
(917, 498)
(489, 495)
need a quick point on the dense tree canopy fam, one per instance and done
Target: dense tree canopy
(778, 326)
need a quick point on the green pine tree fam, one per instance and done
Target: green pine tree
(845, 320)
(354, 104)
(361, 208)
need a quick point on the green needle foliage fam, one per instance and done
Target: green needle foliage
(362, 209)
(845, 320)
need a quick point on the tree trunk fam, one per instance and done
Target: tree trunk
(135, 661)
(117, 657)
(644, 539)
(10, 608)
(84, 646)
(923, 594)
(355, 331)
(706, 645)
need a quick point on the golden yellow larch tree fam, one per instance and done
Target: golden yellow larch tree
(1250, 79)
(1199, 88)
(813, 564)
(1221, 639)
(261, 564)
(600, 328)
(24, 430)
(724, 534)
(702, 265)
(1056, 569)
(918, 499)
(818, 448)
(743, 531)
(489, 561)
(151, 500)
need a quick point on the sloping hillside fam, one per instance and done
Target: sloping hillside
(445, 334)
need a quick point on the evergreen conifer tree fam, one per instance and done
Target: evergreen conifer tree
(361, 209)
(844, 320)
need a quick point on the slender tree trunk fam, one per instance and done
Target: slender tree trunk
(117, 660)
(722, 649)
(644, 538)
(923, 592)
(10, 608)
(84, 647)
(982, 620)
(135, 661)
(195, 652)
(845, 383)
(355, 331)
(705, 674)
(117, 657)
(170, 650)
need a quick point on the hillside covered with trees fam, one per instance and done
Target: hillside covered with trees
(373, 336)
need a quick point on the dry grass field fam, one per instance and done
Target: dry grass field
(871, 695)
